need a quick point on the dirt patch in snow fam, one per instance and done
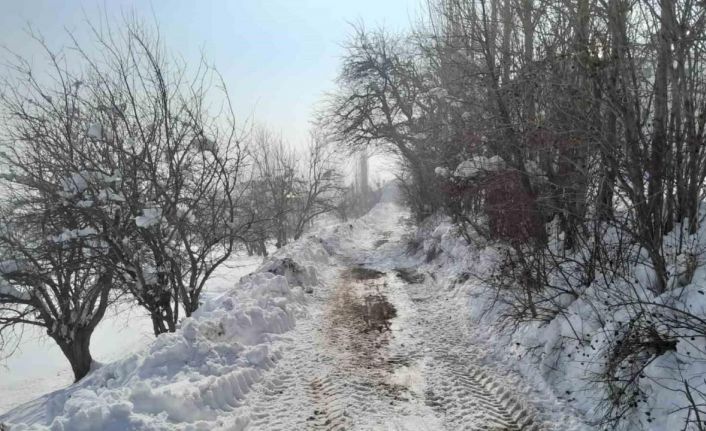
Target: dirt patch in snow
(409, 275)
(358, 320)
(368, 315)
(361, 273)
(377, 312)
(357, 329)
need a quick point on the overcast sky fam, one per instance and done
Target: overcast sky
(278, 57)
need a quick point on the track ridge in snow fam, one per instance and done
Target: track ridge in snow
(472, 400)
(330, 411)
(468, 394)
(281, 401)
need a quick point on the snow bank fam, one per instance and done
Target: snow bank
(11, 266)
(11, 291)
(78, 182)
(294, 273)
(95, 131)
(568, 353)
(149, 217)
(479, 165)
(72, 234)
(189, 379)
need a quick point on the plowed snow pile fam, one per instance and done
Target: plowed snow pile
(188, 379)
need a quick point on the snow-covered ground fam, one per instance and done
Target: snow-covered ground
(38, 367)
(566, 355)
(312, 341)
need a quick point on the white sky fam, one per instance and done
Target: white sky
(278, 57)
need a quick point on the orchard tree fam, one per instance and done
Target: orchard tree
(320, 189)
(290, 188)
(385, 99)
(171, 211)
(55, 270)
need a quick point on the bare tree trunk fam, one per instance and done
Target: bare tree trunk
(162, 323)
(505, 46)
(529, 89)
(648, 209)
(608, 173)
(660, 146)
(78, 352)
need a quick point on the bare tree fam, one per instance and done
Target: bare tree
(171, 213)
(53, 272)
(276, 175)
(571, 133)
(56, 267)
(320, 189)
(383, 99)
(293, 189)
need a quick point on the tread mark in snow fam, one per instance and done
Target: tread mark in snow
(330, 413)
(337, 374)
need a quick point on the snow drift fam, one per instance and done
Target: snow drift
(567, 353)
(188, 379)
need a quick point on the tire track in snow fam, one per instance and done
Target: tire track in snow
(356, 389)
(332, 408)
(273, 408)
(470, 395)
(323, 382)
(470, 399)
(333, 378)
(337, 378)
(282, 401)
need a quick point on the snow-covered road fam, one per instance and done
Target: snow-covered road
(347, 368)
(381, 343)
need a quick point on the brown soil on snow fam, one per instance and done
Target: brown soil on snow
(359, 318)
